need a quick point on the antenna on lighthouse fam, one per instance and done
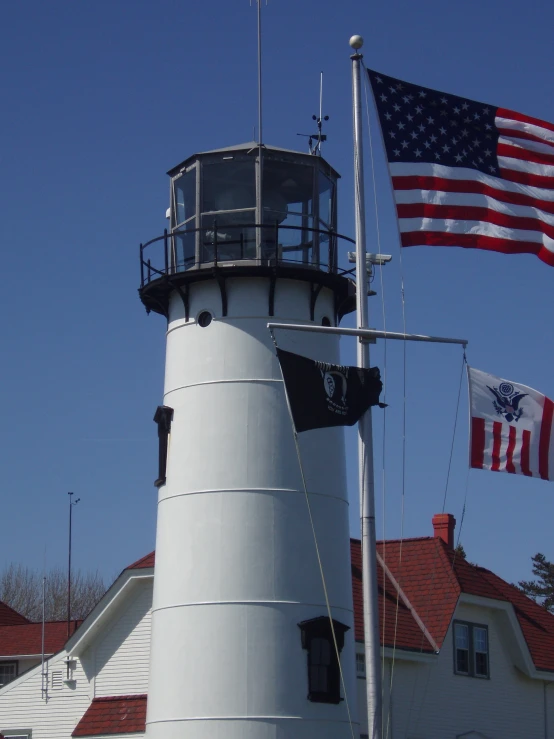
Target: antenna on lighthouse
(259, 4)
(315, 140)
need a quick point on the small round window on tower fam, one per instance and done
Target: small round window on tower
(204, 318)
(325, 321)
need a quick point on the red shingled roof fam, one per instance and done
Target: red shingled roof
(144, 562)
(8, 616)
(408, 633)
(432, 577)
(26, 638)
(124, 714)
(424, 572)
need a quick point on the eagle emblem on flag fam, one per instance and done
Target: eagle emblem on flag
(507, 400)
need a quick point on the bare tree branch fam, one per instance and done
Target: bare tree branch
(21, 589)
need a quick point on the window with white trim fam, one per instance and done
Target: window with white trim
(471, 649)
(8, 672)
(360, 664)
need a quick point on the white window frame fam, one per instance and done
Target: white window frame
(15, 664)
(471, 649)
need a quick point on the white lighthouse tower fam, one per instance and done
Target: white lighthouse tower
(242, 645)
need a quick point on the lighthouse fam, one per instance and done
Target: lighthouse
(252, 623)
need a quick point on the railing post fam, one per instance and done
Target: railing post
(276, 242)
(149, 271)
(166, 260)
(215, 242)
(141, 268)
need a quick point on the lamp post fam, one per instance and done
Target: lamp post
(71, 504)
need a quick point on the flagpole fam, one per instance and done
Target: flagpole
(365, 432)
(368, 333)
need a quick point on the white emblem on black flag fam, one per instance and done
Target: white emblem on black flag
(322, 394)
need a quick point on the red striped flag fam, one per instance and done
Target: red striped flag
(465, 173)
(511, 427)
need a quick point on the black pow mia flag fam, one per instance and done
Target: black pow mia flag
(322, 394)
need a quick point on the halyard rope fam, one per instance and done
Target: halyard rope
(320, 564)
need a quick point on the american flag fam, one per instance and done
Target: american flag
(465, 173)
(511, 427)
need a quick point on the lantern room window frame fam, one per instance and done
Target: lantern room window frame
(256, 239)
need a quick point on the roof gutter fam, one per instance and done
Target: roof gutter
(25, 656)
(404, 598)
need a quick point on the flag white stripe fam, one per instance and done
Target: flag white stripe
(516, 454)
(522, 165)
(439, 225)
(468, 199)
(425, 169)
(531, 128)
(489, 444)
(527, 145)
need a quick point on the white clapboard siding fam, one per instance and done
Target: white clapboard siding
(429, 701)
(122, 653)
(22, 706)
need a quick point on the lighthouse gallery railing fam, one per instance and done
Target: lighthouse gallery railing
(222, 244)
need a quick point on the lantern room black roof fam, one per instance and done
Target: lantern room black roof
(249, 146)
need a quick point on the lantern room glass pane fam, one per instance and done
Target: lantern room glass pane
(184, 193)
(228, 236)
(326, 200)
(288, 207)
(184, 246)
(228, 185)
(287, 188)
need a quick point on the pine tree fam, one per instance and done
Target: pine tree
(540, 590)
(460, 551)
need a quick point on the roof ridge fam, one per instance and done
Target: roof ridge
(106, 698)
(137, 563)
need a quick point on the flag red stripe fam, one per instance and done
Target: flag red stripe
(511, 133)
(527, 178)
(505, 113)
(496, 441)
(439, 184)
(473, 213)
(527, 155)
(477, 443)
(525, 447)
(544, 439)
(510, 467)
(476, 241)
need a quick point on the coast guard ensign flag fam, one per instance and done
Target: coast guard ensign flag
(465, 173)
(322, 394)
(511, 427)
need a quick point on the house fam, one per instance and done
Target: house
(21, 645)
(465, 654)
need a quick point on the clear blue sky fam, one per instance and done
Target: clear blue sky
(99, 99)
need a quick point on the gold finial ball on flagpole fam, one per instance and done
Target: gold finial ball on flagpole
(356, 42)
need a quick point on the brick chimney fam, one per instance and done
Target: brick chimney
(443, 526)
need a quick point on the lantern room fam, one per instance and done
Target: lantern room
(247, 209)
